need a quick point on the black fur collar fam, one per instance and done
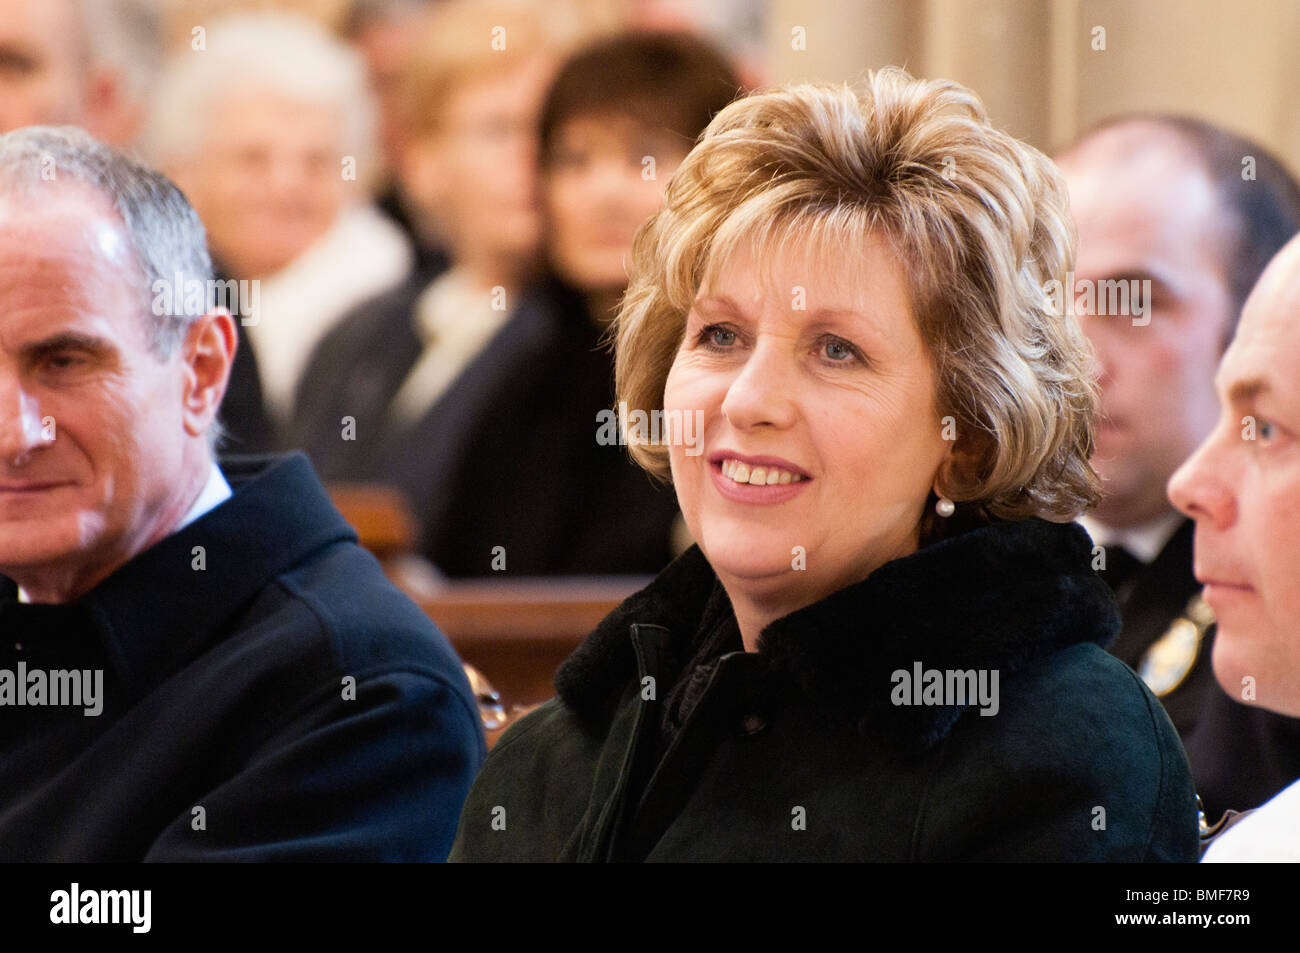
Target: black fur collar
(993, 598)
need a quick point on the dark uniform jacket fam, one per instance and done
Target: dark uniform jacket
(658, 748)
(1240, 755)
(267, 695)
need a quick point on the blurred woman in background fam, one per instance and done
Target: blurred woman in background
(395, 393)
(542, 479)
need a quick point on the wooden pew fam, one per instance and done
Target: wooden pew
(517, 631)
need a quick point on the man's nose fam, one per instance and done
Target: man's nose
(21, 428)
(762, 392)
(1202, 487)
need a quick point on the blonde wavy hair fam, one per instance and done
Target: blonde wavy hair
(980, 224)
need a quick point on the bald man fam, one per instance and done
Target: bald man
(1242, 487)
(1186, 216)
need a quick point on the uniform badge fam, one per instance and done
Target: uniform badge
(1166, 663)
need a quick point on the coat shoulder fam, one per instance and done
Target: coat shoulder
(368, 624)
(1082, 759)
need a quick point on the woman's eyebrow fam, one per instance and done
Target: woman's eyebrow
(716, 302)
(870, 321)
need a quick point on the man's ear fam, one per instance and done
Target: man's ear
(208, 354)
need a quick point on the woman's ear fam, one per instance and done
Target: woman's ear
(961, 470)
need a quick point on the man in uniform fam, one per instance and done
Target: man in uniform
(1242, 487)
(1176, 220)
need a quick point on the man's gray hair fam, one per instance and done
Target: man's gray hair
(162, 227)
(164, 231)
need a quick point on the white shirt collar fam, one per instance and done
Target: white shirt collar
(1144, 541)
(215, 492)
(1270, 833)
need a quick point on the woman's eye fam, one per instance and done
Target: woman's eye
(1265, 430)
(718, 338)
(839, 351)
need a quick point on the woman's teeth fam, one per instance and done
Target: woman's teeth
(741, 472)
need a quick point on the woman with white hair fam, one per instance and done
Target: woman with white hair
(266, 123)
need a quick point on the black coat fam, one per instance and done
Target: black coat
(225, 689)
(537, 481)
(506, 457)
(798, 752)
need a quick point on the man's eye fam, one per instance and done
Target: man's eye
(252, 158)
(568, 159)
(318, 162)
(16, 65)
(62, 362)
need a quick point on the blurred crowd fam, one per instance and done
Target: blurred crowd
(422, 211)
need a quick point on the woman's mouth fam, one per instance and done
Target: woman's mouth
(756, 479)
(758, 475)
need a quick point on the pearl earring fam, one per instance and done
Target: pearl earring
(945, 506)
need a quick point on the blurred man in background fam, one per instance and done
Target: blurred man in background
(85, 63)
(1193, 213)
(385, 33)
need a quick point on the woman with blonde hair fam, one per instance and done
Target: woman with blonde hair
(887, 644)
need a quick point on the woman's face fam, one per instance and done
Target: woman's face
(604, 177)
(810, 377)
(476, 175)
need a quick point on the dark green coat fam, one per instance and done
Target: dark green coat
(798, 752)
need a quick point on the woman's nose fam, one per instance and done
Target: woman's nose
(763, 392)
